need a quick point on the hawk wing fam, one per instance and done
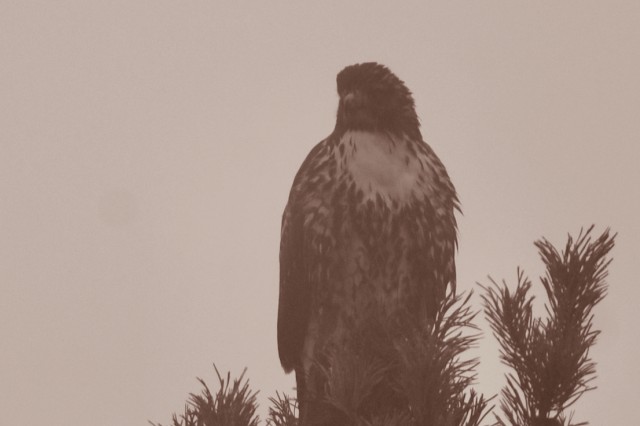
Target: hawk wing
(295, 287)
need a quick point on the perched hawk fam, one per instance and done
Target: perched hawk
(369, 221)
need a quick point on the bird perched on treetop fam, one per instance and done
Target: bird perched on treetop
(369, 222)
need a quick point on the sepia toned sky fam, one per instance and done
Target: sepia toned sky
(147, 149)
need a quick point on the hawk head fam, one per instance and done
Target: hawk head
(372, 98)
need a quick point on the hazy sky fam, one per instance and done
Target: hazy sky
(147, 149)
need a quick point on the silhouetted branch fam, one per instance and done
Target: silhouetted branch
(397, 370)
(550, 358)
(231, 406)
(283, 411)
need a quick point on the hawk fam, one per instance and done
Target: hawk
(369, 222)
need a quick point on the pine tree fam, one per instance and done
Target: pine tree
(395, 372)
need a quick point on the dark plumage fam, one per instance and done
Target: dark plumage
(369, 222)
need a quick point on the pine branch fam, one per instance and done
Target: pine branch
(393, 369)
(433, 376)
(231, 406)
(549, 359)
(283, 411)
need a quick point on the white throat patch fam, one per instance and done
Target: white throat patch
(383, 166)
